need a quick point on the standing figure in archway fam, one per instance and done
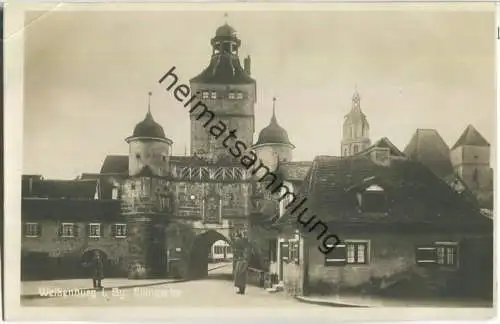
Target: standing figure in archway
(241, 252)
(97, 269)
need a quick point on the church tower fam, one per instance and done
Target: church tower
(355, 135)
(227, 89)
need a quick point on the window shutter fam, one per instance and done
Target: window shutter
(39, 230)
(297, 245)
(113, 230)
(272, 250)
(87, 230)
(102, 228)
(285, 251)
(59, 229)
(336, 257)
(75, 230)
(426, 255)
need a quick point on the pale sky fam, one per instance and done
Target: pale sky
(87, 75)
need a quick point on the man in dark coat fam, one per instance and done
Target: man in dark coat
(97, 270)
(241, 253)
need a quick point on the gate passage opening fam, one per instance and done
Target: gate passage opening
(211, 250)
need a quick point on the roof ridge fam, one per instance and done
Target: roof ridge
(471, 136)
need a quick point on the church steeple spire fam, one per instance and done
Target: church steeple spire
(356, 100)
(355, 129)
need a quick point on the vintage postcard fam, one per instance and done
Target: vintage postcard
(250, 160)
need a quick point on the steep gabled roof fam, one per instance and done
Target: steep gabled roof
(384, 142)
(115, 164)
(428, 147)
(415, 194)
(471, 136)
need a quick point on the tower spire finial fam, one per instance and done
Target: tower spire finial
(225, 18)
(273, 118)
(149, 101)
(355, 97)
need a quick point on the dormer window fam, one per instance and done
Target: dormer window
(381, 156)
(214, 95)
(204, 95)
(372, 200)
(231, 96)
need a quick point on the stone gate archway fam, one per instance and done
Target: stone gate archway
(198, 256)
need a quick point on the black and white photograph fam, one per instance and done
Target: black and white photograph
(281, 158)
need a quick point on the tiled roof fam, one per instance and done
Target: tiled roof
(224, 69)
(118, 164)
(471, 136)
(115, 164)
(415, 194)
(428, 147)
(70, 209)
(69, 189)
(295, 170)
(384, 142)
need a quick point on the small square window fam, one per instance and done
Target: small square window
(205, 95)
(239, 95)
(231, 96)
(120, 230)
(351, 252)
(214, 95)
(137, 155)
(68, 230)
(94, 230)
(32, 230)
(440, 253)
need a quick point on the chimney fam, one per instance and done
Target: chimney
(246, 64)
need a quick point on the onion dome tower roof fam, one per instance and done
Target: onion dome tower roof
(149, 127)
(273, 133)
(225, 31)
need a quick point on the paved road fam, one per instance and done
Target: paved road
(215, 291)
